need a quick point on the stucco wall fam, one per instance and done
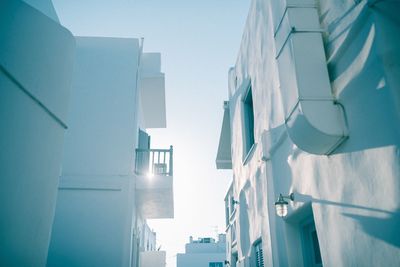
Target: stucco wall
(96, 209)
(93, 222)
(44, 6)
(103, 112)
(153, 259)
(353, 192)
(36, 59)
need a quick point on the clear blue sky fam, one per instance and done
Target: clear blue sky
(199, 41)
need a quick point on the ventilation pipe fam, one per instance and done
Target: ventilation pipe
(315, 122)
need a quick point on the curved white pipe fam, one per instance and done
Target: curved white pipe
(313, 119)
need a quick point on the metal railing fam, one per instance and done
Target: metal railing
(154, 162)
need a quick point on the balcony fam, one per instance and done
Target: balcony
(154, 183)
(152, 162)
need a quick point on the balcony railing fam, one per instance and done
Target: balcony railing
(154, 162)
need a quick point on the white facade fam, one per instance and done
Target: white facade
(75, 156)
(36, 61)
(314, 109)
(153, 259)
(100, 220)
(150, 255)
(204, 252)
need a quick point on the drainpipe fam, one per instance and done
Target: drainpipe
(314, 120)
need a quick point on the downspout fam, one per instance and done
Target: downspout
(314, 121)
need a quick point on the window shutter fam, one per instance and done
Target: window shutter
(259, 255)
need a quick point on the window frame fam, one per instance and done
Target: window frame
(215, 264)
(248, 122)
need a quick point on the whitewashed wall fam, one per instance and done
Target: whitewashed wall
(36, 59)
(199, 254)
(198, 259)
(153, 259)
(96, 214)
(44, 6)
(354, 191)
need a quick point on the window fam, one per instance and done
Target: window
(206, 240)
(215, 264)
(143, 155)
(235, 260)
(311, 251)
(259, 256)
(233, 233)
(248, 124)
(144, 140)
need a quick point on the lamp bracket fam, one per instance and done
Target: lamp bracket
(290, 196)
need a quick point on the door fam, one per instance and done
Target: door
(143, 153)
(311, 250)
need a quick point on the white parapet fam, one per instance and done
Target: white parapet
(153, 259)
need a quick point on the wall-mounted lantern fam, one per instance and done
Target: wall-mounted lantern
(281, 205)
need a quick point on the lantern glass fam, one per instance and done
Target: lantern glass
(281, 209)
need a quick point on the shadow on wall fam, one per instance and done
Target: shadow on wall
(280, 180)
(359, 81)
(384, 227)
(244, 222)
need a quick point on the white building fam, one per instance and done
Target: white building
(106, 192)
(314, 110)
(36, 61)
(150, 255)
(82, 200)
(204, 252)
